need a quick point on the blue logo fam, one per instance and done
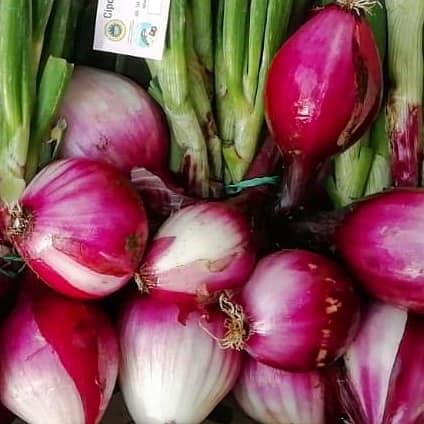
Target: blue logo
(146, 34)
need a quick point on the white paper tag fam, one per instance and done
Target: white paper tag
(132, 27)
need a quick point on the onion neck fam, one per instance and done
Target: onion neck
(293, 192)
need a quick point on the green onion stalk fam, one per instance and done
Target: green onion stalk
(248, 34)
(29, 90)
(404, 108)
(379, 177)
(54, 75)
(362, 168)
(179, 86)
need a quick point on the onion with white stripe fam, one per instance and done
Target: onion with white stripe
(198, 252)
(171, 370)
(59, 359)
(273, 396)
(81, 227)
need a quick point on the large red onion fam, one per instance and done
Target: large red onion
(59, 359)
(273, 396)
(172, 371)
(200, 250)
(298, 311)
(111, 119)
(381, 240)
(381, 381)
(81, 227)
(323, 90)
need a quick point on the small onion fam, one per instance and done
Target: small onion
(81, 227)
(297, 312)
(111, 119)
(273, 396)
(381, 240)
(172, 371)
(59, 359)
(201, 249)
(381, 380)
(323, 90)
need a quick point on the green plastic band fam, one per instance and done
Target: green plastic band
(253, 182)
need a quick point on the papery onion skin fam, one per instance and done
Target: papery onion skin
(201, 249)
(111, 119)
(323, 90)
(301, 310)
(273, 396)
(381, 242)
(381, 380)
(59, 359)
(172, 371)
(84, 228)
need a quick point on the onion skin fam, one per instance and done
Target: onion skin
(273, 396)
(202, 249)
(59, 359)
(172, 371)
(381, 380)
(302, 311)
(333, 52)
(380, 241)
(85, 229)
(111, 119)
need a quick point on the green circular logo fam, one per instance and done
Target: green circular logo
(115, 30)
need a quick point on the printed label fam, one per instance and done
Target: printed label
(132, 27)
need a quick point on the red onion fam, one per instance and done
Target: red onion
(381, 381)
(297, 312)
(200, 250)
(111, 119)
(81, 227)
(274, 396)
(381, 240)
(171, 370)
(323, 90)
(59, 359)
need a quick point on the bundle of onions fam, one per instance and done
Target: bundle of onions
(81, 227)
(334, 52)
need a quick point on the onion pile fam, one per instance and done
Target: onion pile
(221, 302)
